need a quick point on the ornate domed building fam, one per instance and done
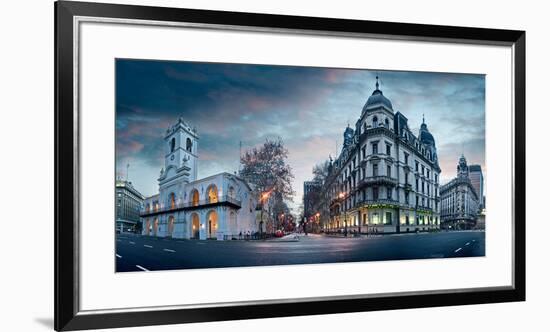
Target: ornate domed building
(386, 179)
(459, 200)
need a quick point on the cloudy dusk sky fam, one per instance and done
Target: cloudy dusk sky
(309, 108)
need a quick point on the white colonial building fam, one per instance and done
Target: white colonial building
(218, 207)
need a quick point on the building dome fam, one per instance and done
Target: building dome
(377, 98)
(425, 136)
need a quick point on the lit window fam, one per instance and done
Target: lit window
(375, 218)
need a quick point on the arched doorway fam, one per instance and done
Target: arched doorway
(170, 226)
(212, 193)
(147, 226)
(195, 226)
(155, 226)
(194, 197)
(212, 224)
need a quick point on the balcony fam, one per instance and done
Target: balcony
(223, 201)
(380, 180)
(380, 202)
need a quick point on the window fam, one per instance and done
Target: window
(416, 200)
(422, 169)
(388, 149)
(422, 186)
(387, 123)
(416, 182)
(172, 144)
(363, 152)
(172, 201)
(364, 218)
(375, 122)
(375, 193)
(407, 197)
(388, 171)
(416, 165)
(389, 193)
(435, 178)
(375, 219)
(189, 145)
(375, 148)
(406, 177)
(428, 173)
(375, 170)
(212, 194)
(406, 157)
(388, 219)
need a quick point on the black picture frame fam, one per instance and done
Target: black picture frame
(67, 313)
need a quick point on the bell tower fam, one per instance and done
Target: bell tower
(180, 153)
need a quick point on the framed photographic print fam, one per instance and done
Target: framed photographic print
(219, 165)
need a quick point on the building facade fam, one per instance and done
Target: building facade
(219, 207)
(128, 205)
(459, 200)
(310, 188)
(385, 179)
(476, 177)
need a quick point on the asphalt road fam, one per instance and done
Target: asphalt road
(141, 253)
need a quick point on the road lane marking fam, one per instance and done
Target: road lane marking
(147, 246)
(169, 250)
(131, 242)
(473, 240)
(117, 255)
(457, 250)
(468, 243)
(141, 268)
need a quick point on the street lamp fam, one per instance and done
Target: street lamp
(263, 197)
(342, 195)
(317, 215)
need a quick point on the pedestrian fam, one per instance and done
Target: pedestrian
(240, 235)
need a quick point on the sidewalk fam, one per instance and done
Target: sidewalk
(287, 238)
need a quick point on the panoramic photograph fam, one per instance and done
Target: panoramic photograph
(223, 165)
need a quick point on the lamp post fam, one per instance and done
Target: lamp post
(317, 227)
(342, 196)
(263, 197)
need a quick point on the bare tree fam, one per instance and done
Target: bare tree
(320, 172)
(267, 170)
